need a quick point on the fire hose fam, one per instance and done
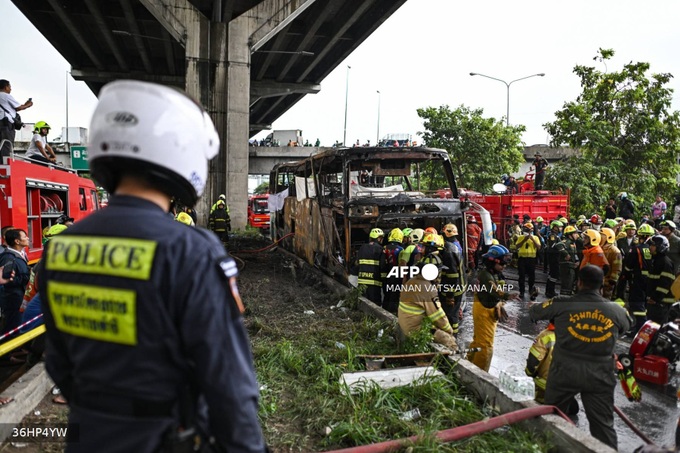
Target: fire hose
(632, 426)
(461, 432)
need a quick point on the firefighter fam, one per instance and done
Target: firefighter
(527, 247)
(162, 324)
(538, 361)
(568, 260)
(552, 257)
(615, 260)
(668, 231)
(636, 267)
(592, 252)
(368, 260)
(596, 222)
(453, 278)
(222, 198)
(410, 255)
(626, 243)
(389, 260)
(587, 327)
(474, 234)
(219, 222)
(661, 277)
(488, 304)
(419, 299)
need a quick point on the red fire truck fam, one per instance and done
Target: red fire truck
(33, 197)
(258, 211)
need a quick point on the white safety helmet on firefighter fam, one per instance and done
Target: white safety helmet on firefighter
(608, 236)
(661, 244)
(645, 230)
(396, 236)
(498, 254)
(450, 230)
(417, 235)
(668, 223)
(376, 233)
(593, 236)
(153, 131)
(222, 197)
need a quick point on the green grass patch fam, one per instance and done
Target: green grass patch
(303, 407)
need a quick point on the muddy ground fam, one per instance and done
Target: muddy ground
(274, 290)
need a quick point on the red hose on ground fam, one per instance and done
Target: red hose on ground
(635, 429)
(263, 248)
(461, 432)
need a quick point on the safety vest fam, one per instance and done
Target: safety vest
(527, 246)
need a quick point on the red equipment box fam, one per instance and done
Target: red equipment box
(652, 368)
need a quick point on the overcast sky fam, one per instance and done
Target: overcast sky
(422, 56)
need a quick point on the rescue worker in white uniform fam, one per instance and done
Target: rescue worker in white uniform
(144, 327)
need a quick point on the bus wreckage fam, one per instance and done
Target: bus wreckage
(331, 201)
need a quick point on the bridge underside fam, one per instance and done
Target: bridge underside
(246, 61)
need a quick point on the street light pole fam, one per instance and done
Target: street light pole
(377, 134)
(507, 85)
(344, 135)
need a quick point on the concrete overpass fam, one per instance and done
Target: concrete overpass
(246, 61)
(263, 158)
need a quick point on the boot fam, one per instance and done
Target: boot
(534, 293)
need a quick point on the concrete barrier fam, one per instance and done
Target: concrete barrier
(27, 392)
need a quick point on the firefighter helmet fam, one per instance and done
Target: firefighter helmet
(570, 229)
(432, 258)
(608, 236)
(431, 230)
(134, 130)
(407, 232)
(660, 242)
(64, 219)
(539, 219)
(645, 230)
(222, 197)
(556, 224)
(528, 226)
(668, 223)
(439, 241)
(40, 125)
(629, 226)
(429, 239)
(593, 236)
(610, 223)
(498, 254)
(450, 230)
(595, 219)
(471, 218)
(396, 236)
(185, 218)
(495, 242)
(581, 217)
(417, 235)
(564, 221)
(376, 233)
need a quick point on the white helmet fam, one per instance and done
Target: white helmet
(153, 131)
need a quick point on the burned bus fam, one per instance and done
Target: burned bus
(332, 200)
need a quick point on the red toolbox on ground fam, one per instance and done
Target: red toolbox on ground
(652, 368)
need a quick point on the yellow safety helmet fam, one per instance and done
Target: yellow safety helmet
(539, 219)
(564, 220)
(629, 226)
(376, 233)
(185, 218)
(645, 230)
(608, 236)
(396, 235)
(570, 229)
(593, 236)
(495, 242)
(430, 239)
(439, 240)
(450, 230)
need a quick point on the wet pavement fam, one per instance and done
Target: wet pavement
(656, 415)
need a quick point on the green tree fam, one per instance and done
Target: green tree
(262, 188)
(627, 135)
(481, 149)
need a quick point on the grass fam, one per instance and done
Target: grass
(303, 408)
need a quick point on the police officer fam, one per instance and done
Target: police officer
(158, 347)
(368, 270)
(587, 327)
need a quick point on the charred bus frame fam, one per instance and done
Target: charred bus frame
(333, 199)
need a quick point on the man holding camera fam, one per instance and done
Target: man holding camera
(8, 109)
